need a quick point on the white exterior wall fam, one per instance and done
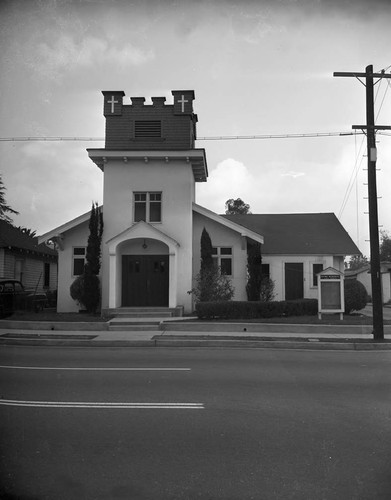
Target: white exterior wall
(222, 236)
(175, 180)
(366, 280)
(277, 271)
(76, 237)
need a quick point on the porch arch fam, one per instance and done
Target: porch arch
(132, 240)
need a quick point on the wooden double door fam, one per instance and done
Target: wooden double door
(145, 280)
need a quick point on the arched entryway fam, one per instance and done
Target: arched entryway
(141, 240)
(144, 273)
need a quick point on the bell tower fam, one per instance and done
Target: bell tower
(150, 166)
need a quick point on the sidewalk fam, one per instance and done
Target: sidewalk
(185, 333)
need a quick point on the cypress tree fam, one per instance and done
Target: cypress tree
(206, 251)
(254, 271)
(86, 288)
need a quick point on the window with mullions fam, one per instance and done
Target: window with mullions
(222, 257)
(316, 268)
(148, 207)
(79, 257)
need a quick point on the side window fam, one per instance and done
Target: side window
(79, 255)
(46, 274)
(316, 268)
(19, 270)
(265, 269)
(222, 257)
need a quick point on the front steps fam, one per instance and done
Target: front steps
(132, 319)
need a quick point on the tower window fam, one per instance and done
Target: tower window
(144, 129)
(148, 207)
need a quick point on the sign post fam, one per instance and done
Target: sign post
(331, 298)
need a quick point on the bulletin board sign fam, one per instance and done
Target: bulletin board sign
(331, 292)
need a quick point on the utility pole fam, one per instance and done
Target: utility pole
(371, 128)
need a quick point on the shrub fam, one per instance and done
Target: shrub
(356, 296)
(212, 286)
(252, 310)
(267, 290)
(86, 290)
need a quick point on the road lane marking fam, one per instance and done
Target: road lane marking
(101, 405)
(145, 369)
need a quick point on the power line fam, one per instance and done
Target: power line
(353, 177)
(207, 138)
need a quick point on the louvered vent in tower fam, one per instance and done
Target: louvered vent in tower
(147, 128)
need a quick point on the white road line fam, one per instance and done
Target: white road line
(101, 405)
(117, 369)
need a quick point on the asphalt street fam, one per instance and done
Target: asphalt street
(109, 423)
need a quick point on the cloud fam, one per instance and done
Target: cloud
(293, 174)
(230, 179)
(66, 54)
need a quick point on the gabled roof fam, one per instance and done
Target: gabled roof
(299, 234)
(243, 230)
(65, 227)
(11, 237)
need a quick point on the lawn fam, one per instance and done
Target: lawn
(52, 316)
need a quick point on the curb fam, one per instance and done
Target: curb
(161, 342)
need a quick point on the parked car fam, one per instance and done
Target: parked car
(14, 297)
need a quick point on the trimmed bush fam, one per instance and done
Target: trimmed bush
(252, 310)
(211, 285)
(356, 296)
(86, 291)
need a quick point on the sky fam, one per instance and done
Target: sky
(258, 68)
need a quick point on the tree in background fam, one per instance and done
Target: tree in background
(385, 246)
(86, 288)
(27, 231)
(234, 207)
(357, 262)
(4, 208)
(254, 271)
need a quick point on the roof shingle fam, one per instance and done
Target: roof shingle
(12, 237)
(299, 234)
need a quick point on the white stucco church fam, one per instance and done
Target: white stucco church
(153, 226)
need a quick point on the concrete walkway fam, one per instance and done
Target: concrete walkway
(186, 333)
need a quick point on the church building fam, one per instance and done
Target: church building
(153, 226)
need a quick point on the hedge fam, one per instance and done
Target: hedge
(252, 310)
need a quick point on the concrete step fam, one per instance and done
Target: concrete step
(141, 314)
(146, 312)
(134, 327)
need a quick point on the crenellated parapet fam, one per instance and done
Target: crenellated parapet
(156, 126)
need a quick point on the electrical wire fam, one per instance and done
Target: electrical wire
(352, 180)
(210, 138)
